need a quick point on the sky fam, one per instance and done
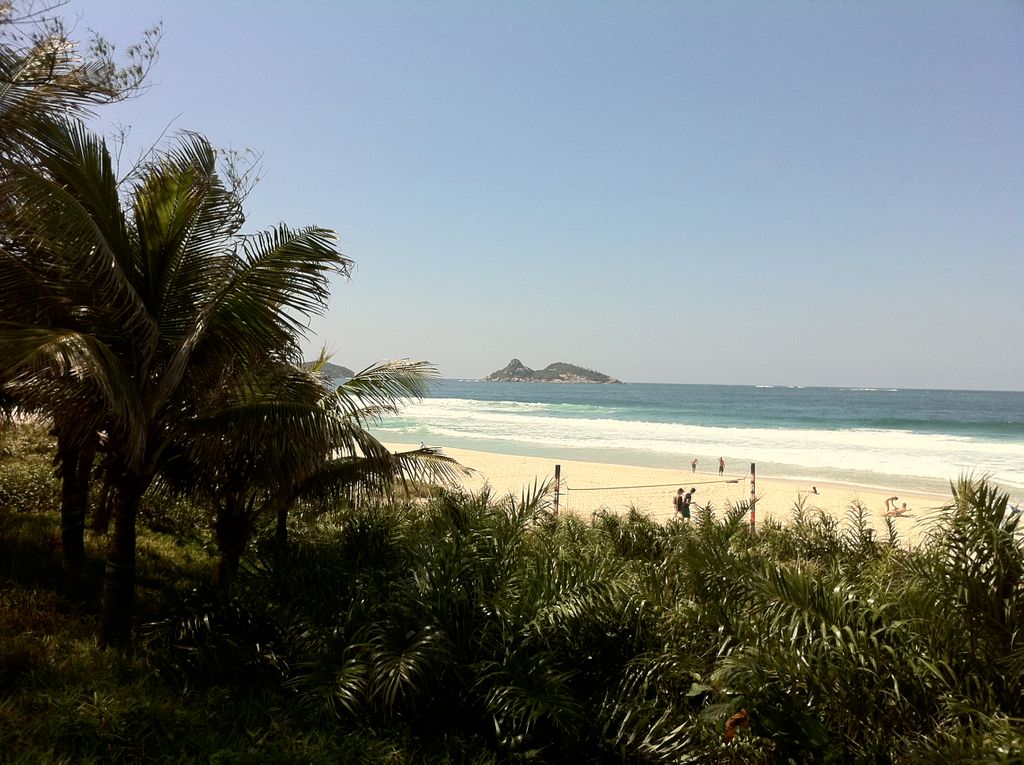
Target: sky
(726, 192)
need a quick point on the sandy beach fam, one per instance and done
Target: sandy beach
(588, 486)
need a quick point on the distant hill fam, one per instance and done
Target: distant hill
(559, 372)
(333, 371)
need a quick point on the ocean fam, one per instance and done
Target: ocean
(880, 437)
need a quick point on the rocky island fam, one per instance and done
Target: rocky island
(559, 372)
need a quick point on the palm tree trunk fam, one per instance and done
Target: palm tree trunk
(75, 470)
(280, 505)
(281, 532)
(232, 527)
(119, 578)
(101, 515)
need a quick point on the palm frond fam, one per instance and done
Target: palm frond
(429, 465)
(533, 499)
(44, 356)
(49, 77)
(380, 389)
(65, 217)
(287, 270)
(186, 222)
(377, 472)
(255, 311)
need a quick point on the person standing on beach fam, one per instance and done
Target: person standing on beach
(677, 501)
(687, 500)
(693, 465)
(721, 465)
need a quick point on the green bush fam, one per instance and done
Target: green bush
(27, 482)
(476, 628)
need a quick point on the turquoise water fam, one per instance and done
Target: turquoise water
(914, 439)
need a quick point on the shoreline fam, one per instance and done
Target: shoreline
(901, 441)
(589, 486)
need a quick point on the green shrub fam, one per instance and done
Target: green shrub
(27, 482)
(475, 628)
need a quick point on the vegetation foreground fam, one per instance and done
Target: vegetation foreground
(485, 629)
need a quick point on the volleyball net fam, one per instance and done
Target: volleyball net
(581, 498)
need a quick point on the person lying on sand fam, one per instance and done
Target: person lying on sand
(893, 511)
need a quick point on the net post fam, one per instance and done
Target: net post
(558, 483)
(753, 493)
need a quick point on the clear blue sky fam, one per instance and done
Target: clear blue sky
(808, 193)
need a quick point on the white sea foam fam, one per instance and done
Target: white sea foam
(805, 451)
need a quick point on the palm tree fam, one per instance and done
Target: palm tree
(157, 307)
(357, 465)
(44, 75)
(290, 434)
